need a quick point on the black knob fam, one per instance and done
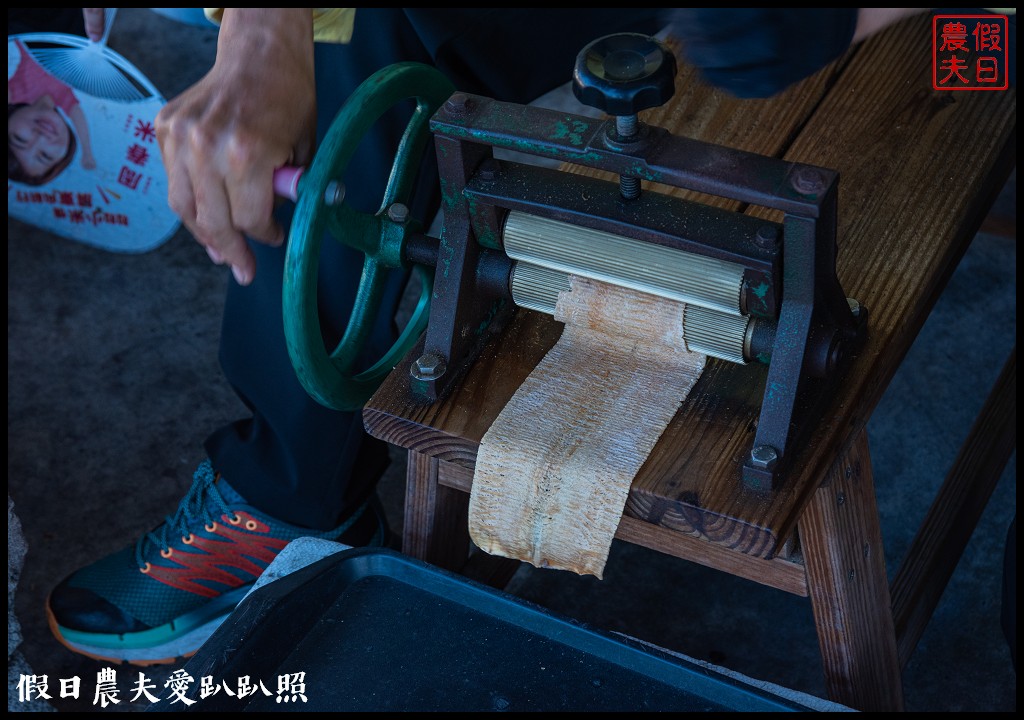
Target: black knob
(624, 73)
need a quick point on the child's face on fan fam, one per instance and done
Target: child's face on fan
(38, 136)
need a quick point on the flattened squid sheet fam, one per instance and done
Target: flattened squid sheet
(554, 470)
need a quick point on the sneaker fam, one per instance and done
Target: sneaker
(159, 600)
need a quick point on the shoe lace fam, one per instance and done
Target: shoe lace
(202, 502)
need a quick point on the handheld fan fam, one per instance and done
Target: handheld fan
(109, 188)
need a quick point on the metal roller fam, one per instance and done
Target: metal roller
(705, 330)
(715, 333)
(622, 261)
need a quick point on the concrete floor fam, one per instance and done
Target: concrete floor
(113, 384)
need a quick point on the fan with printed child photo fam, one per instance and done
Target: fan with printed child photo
(82, 157)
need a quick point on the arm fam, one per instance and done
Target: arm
(222, 139)
(758, 52)
(872, 20)
(82, 130)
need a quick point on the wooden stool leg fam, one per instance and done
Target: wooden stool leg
(841, 538)
(434, 529)
(953, 516)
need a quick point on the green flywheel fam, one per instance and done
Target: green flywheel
(333, 378)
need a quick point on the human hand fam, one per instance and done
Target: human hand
(222, 139)
(93, 23)
(758, 52)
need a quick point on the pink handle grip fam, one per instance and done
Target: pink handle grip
(286, 181)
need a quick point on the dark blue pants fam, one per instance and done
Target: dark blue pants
(295, 459)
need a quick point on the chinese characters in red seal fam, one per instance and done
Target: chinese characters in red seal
(969, 52)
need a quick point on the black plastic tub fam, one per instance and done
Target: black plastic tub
(373, 630)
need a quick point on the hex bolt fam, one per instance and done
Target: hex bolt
(428, 366)
(334, 193)
(398, 212)
(767, 237)
(764, 457)
(808, 181)
(840, 498)
(459, 103)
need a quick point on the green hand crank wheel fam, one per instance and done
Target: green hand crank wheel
(332, 379)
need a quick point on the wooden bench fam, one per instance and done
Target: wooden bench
(919, 170)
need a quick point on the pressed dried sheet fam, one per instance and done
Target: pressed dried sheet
(554, 469)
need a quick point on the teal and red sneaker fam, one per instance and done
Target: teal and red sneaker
(160, 600)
